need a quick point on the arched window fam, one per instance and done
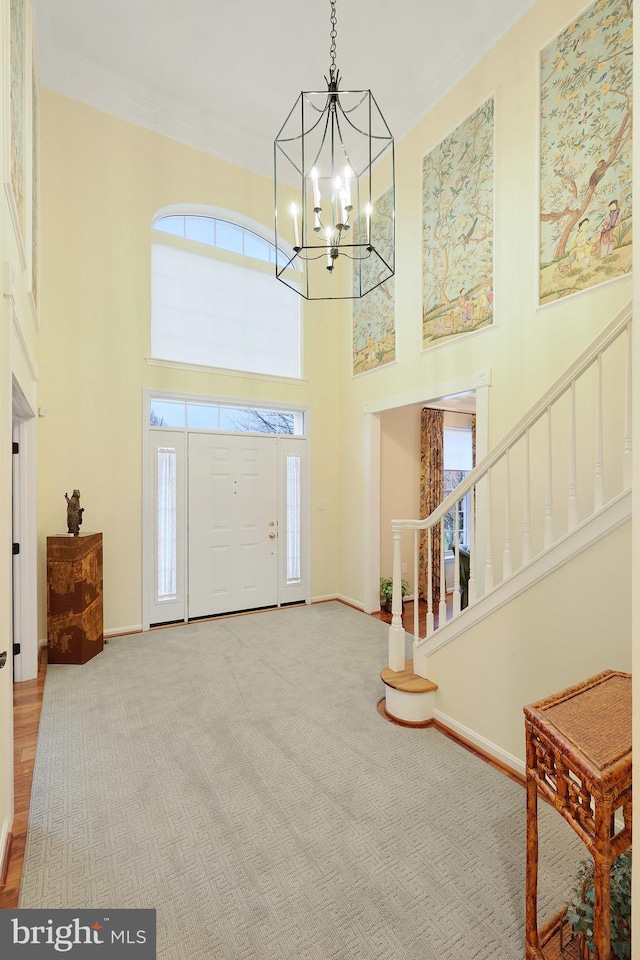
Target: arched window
(215, 300)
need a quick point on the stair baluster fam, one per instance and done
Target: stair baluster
(526, 521)
(572, 508)
(548, 504)
(506, 556)
(598, 480)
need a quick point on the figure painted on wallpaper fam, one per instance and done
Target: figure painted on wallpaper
(581, 244)
(607, 238)
(585, 150)
(464, 307)
(457, 240)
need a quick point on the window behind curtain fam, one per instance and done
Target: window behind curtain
(458, 462)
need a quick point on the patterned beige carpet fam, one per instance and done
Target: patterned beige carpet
(236, 776)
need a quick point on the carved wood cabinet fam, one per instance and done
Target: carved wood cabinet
(579, 760)
(74, 598)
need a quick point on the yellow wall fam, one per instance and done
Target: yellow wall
(550, 637)
(527, 349)
(102, 181)
(399, 481)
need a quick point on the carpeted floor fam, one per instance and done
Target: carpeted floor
(236, 776)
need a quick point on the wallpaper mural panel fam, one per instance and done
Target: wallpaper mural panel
(457, 192)
(17, 54)
(374, 330)
(585, 152)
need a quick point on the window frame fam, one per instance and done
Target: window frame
(200, 248)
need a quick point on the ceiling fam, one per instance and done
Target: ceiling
(222, 75)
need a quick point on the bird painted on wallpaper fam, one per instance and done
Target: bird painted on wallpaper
(598, 173)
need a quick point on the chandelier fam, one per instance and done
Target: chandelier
(340, 222)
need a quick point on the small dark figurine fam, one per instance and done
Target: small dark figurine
(74, 513)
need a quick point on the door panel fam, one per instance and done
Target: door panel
(233, 497)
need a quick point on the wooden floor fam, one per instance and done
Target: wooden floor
(27, 701)
(407, 615)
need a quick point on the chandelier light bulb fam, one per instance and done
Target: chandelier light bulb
(316, 188)
(296, 234)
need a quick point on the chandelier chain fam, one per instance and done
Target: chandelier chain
(333, 35)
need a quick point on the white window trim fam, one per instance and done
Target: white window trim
(220, 213)
(222, 371)
(148, 549)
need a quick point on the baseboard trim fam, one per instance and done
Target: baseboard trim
(356, 604)
(122, 631)
(479, 745)
(6, 857)
(411, 724)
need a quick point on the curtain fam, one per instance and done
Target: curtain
(431, 494)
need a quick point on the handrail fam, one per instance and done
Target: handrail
(604, 340)
(481, 475)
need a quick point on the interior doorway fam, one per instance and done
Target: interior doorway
(472, 393)
(24, 576)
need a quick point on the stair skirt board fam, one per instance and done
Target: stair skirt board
(565, 549)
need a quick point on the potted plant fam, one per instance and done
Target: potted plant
(580, 909)
(386, 591)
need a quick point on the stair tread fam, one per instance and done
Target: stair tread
(406, 680)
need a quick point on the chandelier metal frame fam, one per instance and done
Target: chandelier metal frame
(328, 147)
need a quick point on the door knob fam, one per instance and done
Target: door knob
(272, 536)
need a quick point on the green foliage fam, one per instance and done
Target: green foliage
(580, 909)
(586, 96)
(457, 191)
(386, 588)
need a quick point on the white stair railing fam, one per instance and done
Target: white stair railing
(563, 467)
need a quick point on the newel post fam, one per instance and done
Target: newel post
(396, 630)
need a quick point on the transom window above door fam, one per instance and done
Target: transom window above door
(200, 415)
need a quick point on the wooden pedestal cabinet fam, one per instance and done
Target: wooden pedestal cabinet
(74, 598)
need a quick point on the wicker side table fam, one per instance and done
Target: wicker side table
(579, 759)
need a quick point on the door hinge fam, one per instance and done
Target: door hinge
(15, 447)
(16, 649)
(16, 549)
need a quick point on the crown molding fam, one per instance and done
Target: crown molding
(104, 89)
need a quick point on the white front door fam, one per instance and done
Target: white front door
(233, 523)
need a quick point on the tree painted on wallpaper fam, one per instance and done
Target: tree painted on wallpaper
(374, 330)
(458, 230)
(585, 151)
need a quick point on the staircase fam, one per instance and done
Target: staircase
(557, 483)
